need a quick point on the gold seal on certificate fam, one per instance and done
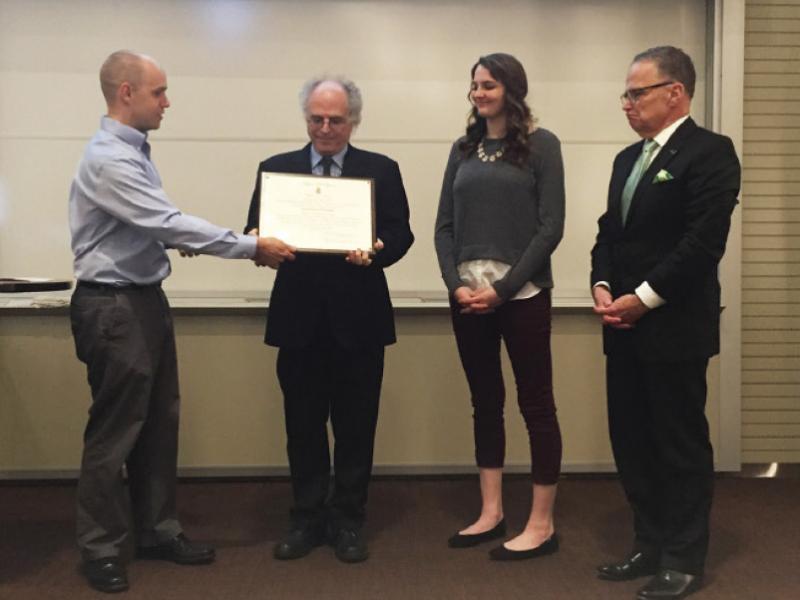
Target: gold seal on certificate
(318, 214)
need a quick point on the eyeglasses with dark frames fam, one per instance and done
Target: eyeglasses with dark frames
(633, 95)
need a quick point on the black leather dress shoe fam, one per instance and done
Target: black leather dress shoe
(669, 585)
(179, 550)
(635, 566)
(468, 540)
(549, 546)
(349, 545)
(299, 542)
(106, 574)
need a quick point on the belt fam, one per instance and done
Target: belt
(115, 287)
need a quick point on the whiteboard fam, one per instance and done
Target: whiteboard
(234, 70)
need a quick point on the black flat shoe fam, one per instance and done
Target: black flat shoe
(468, 540)
(179, 550)
(549, 546)
(106, 574)
(635, 566)
(670, 585)
(299, 543)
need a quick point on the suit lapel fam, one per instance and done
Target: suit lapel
(665, 156)
(668, 152)
(352, 162)
(302, 160)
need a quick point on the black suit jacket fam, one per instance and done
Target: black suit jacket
(674, 238)
(324, 292)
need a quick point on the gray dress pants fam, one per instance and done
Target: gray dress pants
(125, 336)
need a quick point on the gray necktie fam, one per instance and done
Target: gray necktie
(326, 162)
(639, 167)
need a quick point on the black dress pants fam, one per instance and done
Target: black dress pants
(321, 381)
(126, 339)
(659, 435)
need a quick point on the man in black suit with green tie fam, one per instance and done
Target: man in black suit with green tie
(331, 316)
(655, 286)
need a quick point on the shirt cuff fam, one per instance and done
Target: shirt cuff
(648, 297)
(604, 284)
(247, 244)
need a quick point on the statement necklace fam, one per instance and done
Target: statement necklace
(489, 157)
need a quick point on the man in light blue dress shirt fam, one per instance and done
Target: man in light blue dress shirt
(122, 223)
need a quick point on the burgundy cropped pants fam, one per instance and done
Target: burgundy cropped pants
(524, 325)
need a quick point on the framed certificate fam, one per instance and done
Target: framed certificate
(318, 214)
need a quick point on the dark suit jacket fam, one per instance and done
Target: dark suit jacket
(323, 290)
(674, 238)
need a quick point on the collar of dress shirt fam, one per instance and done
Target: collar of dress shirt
(338, 158)
(663, 136)
(129, 135)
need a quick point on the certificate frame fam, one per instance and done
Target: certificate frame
(318, 214)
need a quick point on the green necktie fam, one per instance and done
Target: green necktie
(639, 167)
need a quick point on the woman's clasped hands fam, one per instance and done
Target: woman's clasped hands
(477, 302)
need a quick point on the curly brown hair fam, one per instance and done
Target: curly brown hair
(519, 121)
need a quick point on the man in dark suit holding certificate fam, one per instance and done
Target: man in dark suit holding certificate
(655, 286)
(331, 317)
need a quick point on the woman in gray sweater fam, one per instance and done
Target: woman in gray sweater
(501, 216)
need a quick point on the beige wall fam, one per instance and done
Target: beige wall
(233, 83)
(232, 415)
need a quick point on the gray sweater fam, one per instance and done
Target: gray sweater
(499, 211)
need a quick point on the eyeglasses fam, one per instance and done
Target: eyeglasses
(633, 95)
(319, 121)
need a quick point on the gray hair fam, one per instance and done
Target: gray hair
(354, 102)
(119, 67)
(672, 62)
